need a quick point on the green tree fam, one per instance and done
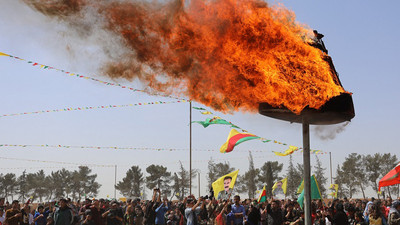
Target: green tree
(319, 172)
(343, 189)
(294, 179)
(249, 181)
(217, 170)
(131, 184)
(37, 183)
(9, 185)
(269, 174)
(352, 174)
(158, 177)
(23, 187)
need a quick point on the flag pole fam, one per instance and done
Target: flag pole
(190, 147)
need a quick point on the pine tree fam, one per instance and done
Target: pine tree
(131, 184)
(269, 174)
(319, 172)
(293, 179)
(158, 177)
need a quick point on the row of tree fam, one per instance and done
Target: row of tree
(358, 172)
(354, 175)
(39, 186)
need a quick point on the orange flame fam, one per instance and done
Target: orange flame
(226, 54)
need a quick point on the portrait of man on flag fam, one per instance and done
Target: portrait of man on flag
(223, 186)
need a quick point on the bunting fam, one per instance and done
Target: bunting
(76, 75)
(235, 138)
(93, 107)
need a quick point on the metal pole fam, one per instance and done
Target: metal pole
(330, 163)
(198, 174)
(307, 172)
(190, 148)
(115, 182)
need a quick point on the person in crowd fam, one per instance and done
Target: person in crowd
(394, 213)
(375, 216)
(340, 217)
(25, 215)
(274, 213)
(359, 219)
(238, 210)
(114, 215)
(253, 216)
(40, 217)
(2, 216)
(88, 218)
(63, 214)
(49, 220)
(129, 216)
(161, 210)
(13, 215)
(192, 210)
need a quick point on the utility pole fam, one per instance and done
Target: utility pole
(190, 147)
(115, 182)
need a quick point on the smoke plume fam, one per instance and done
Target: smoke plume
(329, 132)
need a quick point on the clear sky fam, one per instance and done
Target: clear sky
(361, 36)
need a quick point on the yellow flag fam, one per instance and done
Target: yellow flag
(3, 54)
(223, 186)
(289, 151)
(334, 188)
(301, 187)
(280, 186)
(206, 113)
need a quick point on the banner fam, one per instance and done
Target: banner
(280, 187)
(224, 185)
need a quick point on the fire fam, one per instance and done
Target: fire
(226, 54)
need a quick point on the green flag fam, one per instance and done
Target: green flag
(198, 108)
(315, 192)
(215, 120)
(301, 187)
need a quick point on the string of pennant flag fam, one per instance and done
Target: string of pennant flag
(77, 75)
(235, 137)
(94, 107)
(125, 148)
(64, 163)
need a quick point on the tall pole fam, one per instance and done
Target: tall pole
(115, 182)
(190, 148)
(198, 174)
(330, 163)
(307, 172)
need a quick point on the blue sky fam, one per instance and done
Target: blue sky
(361, 36)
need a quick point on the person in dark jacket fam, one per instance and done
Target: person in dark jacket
(63, 214)
(340, 217)
(274, 213)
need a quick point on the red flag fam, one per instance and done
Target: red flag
(391, 178)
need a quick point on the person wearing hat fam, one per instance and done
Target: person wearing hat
(13, 215)
(394, 213)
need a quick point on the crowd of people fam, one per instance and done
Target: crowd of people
(204, 210)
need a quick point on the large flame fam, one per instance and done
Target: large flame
(226, 54)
